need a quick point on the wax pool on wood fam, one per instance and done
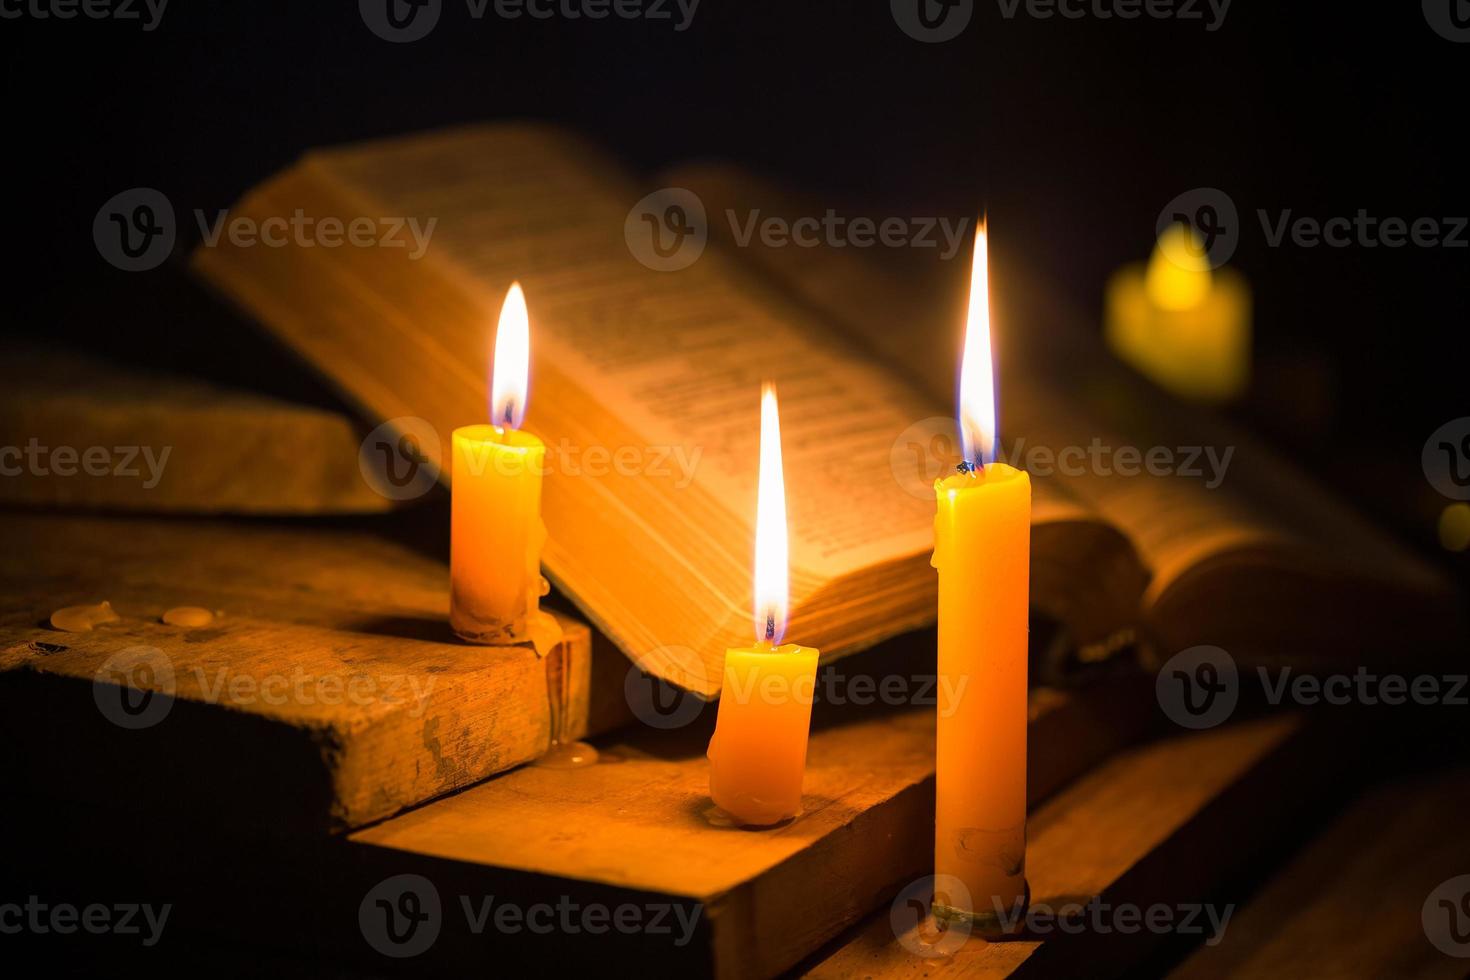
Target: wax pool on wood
(81, 619)
(191, 616)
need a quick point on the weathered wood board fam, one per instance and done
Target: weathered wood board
(1157, 825)
(1354, 901)
(80, 433)
(328, 693)
(645, 829)
(637, 830)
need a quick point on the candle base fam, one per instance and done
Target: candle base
(492, 634)
(538, 629)
(989, 925)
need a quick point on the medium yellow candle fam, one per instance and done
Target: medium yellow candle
(496, 534)
(982, 549)
(757, 757)
(1186, 328)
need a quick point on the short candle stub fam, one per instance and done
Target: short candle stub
(757, 754)
(495, 581)
(991, 924)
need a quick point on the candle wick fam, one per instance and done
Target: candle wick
(770, 627)
(968, 467)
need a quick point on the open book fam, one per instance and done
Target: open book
(645, 387)
(1245, 552)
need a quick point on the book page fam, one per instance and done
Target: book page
(893, 322)
(678, 357)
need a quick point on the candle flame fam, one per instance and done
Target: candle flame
(771, 586)
(1178, 276)
(977, 372)
(508, 380)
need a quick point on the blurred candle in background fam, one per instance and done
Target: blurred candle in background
(496, 534)
(757, 757)
(1183, 326)
(1454, 527)
(982, 549)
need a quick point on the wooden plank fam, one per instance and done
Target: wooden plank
(1157, 824)
(330, 675)
(78, 432)
(637, 829)
(1352, 902)
(645, 826)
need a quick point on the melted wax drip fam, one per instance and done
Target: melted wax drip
(562, 755)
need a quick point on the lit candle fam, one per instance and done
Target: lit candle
(982, 549)
(496, 534)
(1186, 328)
(758, 753)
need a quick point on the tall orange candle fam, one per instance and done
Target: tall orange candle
(982, 549)
(496, 534)
(757, 757)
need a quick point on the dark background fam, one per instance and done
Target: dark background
(1072, 133)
